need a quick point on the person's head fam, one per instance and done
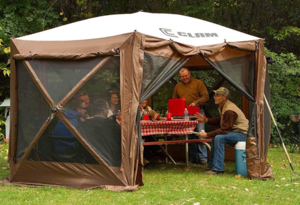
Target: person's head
(114, 98)
(84, 98)
(100, 107)
(82, 109)
(79, 106)
(221, 95)
(185, 75)
(144, 104)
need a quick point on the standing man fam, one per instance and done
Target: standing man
(233, 128)
(195, 94)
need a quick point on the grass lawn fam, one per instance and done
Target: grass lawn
(173, 184)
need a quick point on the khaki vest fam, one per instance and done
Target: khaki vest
(241, 124)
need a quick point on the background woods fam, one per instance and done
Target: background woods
(275, 20)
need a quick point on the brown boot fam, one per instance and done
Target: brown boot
(205, 168)
(203, 162)
(212, 172)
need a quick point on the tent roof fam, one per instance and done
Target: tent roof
(181, 29)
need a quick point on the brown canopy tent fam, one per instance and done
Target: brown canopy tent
(135, 57)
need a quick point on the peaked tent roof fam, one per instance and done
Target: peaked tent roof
(181, 29)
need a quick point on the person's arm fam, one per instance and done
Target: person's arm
(148, 109)
(213, 121)
(229, 118)
(203, 93)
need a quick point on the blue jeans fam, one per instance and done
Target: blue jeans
(197, 152)
(216, 157)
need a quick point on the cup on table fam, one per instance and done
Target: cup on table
(169, 116)
(146, 117)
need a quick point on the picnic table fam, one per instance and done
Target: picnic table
(173, 127)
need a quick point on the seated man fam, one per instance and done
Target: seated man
(63, 141)
(145, 109)
(84, 97)
(233, 128)
(103, 134)
(149, 151)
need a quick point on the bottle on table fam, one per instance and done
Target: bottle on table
(186, 115)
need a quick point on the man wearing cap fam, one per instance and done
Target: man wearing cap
(233, 128)
(195, 94)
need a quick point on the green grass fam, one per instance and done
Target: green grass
(171, 184)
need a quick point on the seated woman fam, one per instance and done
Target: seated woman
(113, 103)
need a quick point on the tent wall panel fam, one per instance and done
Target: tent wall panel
(74, 175)
(131, 71)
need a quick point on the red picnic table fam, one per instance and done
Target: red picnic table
(177, 127)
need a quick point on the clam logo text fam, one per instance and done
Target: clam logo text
(176, 34)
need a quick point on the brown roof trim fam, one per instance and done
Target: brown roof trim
(67, 56)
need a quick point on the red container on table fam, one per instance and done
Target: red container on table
(146, 116)
(176, 106)
(193, 110)
(169, 116)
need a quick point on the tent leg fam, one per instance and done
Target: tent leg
(186, 151)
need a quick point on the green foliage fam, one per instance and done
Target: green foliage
(2, 124)
(284, 32)
(19, 18)
(285, 91)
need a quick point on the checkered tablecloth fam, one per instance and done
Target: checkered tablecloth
(167, 127)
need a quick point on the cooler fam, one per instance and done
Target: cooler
(193, 110)
(240, 158)
(176, 106)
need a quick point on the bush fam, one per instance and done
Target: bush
(285, 92)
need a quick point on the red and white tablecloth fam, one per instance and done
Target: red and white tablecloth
(167, 127)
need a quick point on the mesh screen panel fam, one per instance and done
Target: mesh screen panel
(91, 112)
(239, 71)
(156, 71)
(104, 134)
(60, 148)
(33, 110)
(59, 77)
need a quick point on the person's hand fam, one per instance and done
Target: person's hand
(192, 104)
(201, 118)
(203, 134)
